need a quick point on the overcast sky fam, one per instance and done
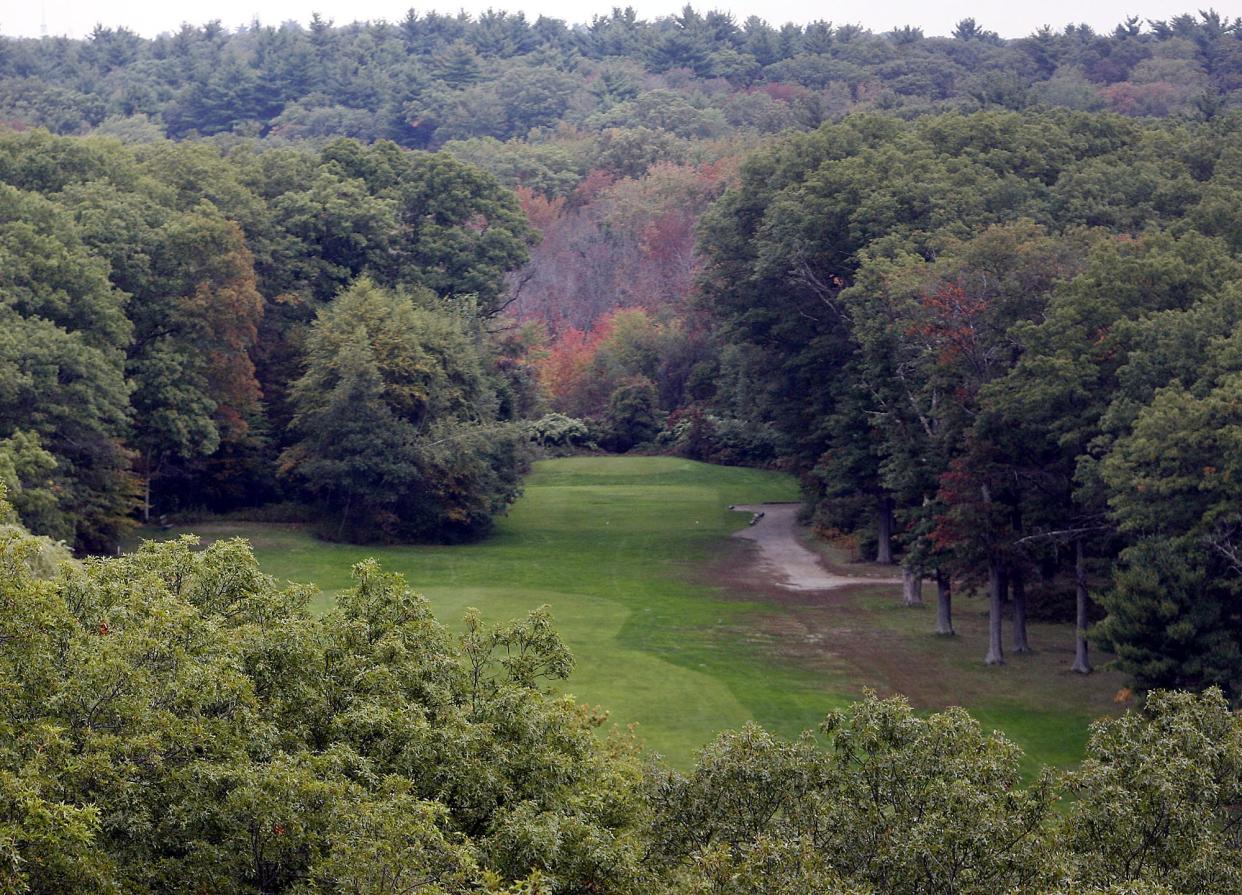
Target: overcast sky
(1009, 18)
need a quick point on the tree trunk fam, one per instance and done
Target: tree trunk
(1018, 590)
(944, 604)
(1082, 658)
(884, 533)
(996, 607)
(340, 529)
(912, 587)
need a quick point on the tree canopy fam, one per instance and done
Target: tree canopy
(156, 300)
(397, 427)
(431, 78)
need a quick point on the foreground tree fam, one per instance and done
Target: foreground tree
(1159, 798)
(954, 818)
(175, 718)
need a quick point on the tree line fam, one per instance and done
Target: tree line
(1001, 349)
(170, 338)
(429, 78)
(175, 720)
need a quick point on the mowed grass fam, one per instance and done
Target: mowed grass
(616, 546)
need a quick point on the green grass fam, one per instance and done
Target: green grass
(617, 547)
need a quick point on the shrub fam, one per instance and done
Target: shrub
(556, 430)
(699, 435)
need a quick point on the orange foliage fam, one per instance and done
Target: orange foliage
(227, 301)
(1158, 98)
(784, 92)
(566, 368)
(950, 320)
(581, 369)
(591, 186)
(617, 243)
(541, 212)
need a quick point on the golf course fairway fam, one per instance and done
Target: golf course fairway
(622, 550)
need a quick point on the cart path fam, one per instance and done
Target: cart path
(784, 560)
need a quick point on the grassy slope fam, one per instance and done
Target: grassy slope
(613, 544)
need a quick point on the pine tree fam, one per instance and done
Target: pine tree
(459, 65)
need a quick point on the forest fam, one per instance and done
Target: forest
(981, 297)
(647, 87)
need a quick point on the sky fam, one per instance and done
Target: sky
(1007, 17)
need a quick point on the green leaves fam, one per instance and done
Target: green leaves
(1170, 617)
(897, 803)
(145, 292)
(397, 426)
(1158, 798)
(891, 802)
(174, 717)
(463, 232)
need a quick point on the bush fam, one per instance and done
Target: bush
(728, 441)
(556, 430)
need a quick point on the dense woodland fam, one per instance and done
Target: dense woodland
(185, 327)
(983, 296)
(1009, 339)
(431, 78)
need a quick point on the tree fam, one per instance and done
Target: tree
(396, 423)
(458, 65)
(969, 29)
(462, 232)
(138, 690)
(26, 477)
(354, 453)
(934, 337)
(1103, 342)
(1157, 797)
(46, 840)
(955, 816)
(337, 229)
(632, 415)
(62, 339)
(195, 383)
(1169, 620)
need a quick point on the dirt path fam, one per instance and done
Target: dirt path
(815, 616)
(784, 560)
(834, 619)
